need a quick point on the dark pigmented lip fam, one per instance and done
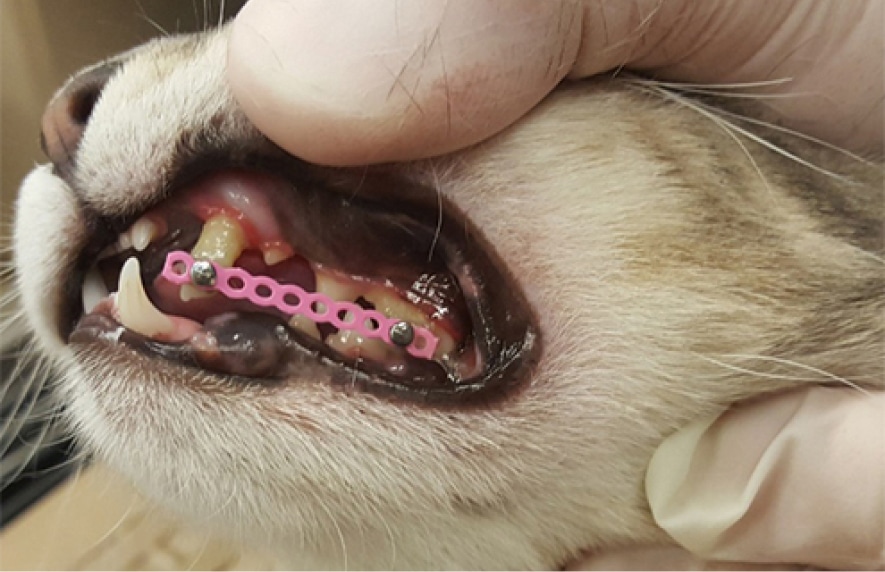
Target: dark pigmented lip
(503, 324)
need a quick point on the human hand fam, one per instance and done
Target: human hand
(348, 82)
(798, 478)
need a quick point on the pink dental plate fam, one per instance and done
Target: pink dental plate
(292, 300)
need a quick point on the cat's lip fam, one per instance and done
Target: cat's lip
(506, 327)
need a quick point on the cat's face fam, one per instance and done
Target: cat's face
(598, 275)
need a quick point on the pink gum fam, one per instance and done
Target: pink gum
(237, 284)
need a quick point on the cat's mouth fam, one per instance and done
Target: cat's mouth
(421, 269)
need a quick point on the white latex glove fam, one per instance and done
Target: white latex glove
(350, 82)
(794, 479)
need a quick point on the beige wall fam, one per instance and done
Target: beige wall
(42, 42)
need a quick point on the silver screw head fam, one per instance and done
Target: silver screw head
(203, 273)
(402, 334)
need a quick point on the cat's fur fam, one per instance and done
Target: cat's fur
(675, 268)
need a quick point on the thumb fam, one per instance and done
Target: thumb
(351, 82)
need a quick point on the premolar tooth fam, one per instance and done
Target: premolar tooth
(393, 306)
(143, 232)
(337, 289)
(353, 345)
(276, 253)
(222, 241)
(134, 309)
(306, 325)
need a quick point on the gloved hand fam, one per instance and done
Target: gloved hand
(348, 82)
(796, 478)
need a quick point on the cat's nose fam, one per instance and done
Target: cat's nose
(67, 115)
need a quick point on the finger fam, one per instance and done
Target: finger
(353, 82)
(796, 478)
(823, 60)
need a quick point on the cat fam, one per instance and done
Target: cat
(620, 262)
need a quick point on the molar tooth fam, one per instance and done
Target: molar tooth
(353, 345)
(446, 344)
(306, 325)
(143, 232)
(134, 309)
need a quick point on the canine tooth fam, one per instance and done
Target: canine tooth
(393, 306)
(94, 290)
(276, 254)
(306, 325)
(337, 289)
(143, 232)
(222, 240)
(134, 309)
(353, 345)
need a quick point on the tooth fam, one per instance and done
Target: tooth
(94, 290)
(276, 253)
(353, 345)
(134, 309)
(143, 232)
(125, 240)
(337, 289)
(393, 306)
(446, 343)
(306, 325)
(190, 292)
(222, 240)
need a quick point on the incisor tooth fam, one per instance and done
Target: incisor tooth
(134, 309)
(143, 232)
(125, 240)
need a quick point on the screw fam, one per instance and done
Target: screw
(203, 273)
(402, 334)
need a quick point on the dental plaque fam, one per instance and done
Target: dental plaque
(237, 284)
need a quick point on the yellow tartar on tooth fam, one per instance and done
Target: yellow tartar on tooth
(222, 241)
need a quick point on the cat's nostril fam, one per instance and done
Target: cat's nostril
(67, 116)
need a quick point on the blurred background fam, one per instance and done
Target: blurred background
(56, 513)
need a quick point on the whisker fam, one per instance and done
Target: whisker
(722, 124)
(715, 114)
(143, 15)
(820, 374)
